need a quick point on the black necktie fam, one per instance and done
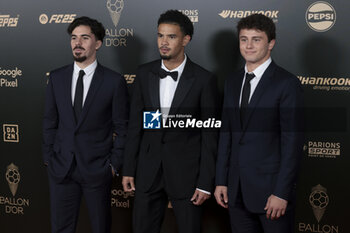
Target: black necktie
(163, 73)
(245, 95)
(79, 94)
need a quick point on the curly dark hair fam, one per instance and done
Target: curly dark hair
(178, 18)
(259, 22)
(96, 27)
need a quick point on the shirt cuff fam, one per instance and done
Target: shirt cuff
(203, 191)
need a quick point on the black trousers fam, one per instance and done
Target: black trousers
(150, 206)
(65, 199)
(244, 221)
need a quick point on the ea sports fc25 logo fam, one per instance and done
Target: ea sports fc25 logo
(56, 18)
(320, 16)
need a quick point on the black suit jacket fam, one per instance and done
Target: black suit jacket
(187, 156)
(89, 140)
(264, 153)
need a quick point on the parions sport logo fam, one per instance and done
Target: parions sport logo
(327, 150)
(117, 36)
(193, 15)
(56, 18)
(320, 16)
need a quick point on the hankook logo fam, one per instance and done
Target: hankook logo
(56, 18)
(320, 16)
(326, 83)
(234, 14)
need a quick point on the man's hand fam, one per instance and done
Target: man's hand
(221, 196)
(199, 197)
(128, 183)
(275, 207)
(113, 172)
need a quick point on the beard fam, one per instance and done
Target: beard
(79, 59)
(77, 56)
(165, 57)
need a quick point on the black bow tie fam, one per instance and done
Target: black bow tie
(163, 73)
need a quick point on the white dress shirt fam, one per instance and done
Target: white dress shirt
(258, 72)
(167, 88)
(87, 78)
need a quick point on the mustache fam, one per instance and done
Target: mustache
(163, 47)
(78, 47)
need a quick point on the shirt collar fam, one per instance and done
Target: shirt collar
(179, 69)
(259, 71)
(88, 70)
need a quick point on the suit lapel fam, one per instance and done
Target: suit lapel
(67, 77)
(153, 85)
(263, 84)
(236, 95)
(184, 86)
(94, 86)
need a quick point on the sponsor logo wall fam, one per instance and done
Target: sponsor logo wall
(34, 41)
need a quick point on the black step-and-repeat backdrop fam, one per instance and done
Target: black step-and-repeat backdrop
(312, 42)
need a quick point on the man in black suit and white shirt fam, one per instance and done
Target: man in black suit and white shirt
(86, 103)
(171, 164)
